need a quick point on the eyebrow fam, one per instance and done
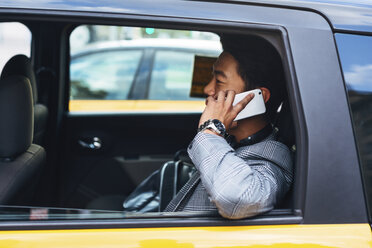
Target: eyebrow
(219, 73)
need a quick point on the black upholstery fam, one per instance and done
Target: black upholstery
(20, 176)
(158, 189)
(40, 123)
(21, 65)
(20, 161)
(145, 198)
(16, 111)
(173, 176)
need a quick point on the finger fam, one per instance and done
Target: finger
(221, 96)
(240, 105)
(230, 97)
(208, 100)
(247, 99)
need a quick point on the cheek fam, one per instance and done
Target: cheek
(240, 85)
(244, 88)
(219, 87)
(236, 83)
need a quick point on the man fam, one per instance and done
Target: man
(246, 172)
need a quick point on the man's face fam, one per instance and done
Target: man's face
(225, 76)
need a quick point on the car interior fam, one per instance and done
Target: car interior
(54, 157)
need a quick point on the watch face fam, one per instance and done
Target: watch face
(218, 124)
(215, 125)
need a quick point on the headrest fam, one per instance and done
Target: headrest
(16, 116)
(21, 65)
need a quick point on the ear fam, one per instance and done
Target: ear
(265, 93)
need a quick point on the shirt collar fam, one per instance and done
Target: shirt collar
(252, 139)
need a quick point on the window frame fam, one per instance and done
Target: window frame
(304, 184)
(304, 206)
(277, 216)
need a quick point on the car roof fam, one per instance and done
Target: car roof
(352, 15)
(208, 46)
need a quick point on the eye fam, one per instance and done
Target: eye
(218, 81)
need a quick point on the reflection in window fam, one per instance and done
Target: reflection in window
(356, 59)
(171, 76)
(128, 69)
(104, 75)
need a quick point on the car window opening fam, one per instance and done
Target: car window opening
(168, 68)
(149, 73)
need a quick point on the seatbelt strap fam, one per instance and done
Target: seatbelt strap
(184, 193)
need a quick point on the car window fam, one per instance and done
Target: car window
(171, 76)
(15, 38)
(103, 75)
(131, 69)
(356, 60)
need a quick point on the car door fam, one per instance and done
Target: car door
(131, 146)
(307, 80)
(131, 99)
(356, 68)
(327, 206)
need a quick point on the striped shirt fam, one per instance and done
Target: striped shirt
(237, 183)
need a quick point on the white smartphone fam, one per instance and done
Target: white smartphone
(255, 107)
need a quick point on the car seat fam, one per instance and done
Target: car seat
(21, 65)
(20, 160)
(158, 189)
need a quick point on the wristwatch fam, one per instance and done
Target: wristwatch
(214, 125)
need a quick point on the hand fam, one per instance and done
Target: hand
(220, 107)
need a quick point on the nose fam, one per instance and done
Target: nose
(209, 89)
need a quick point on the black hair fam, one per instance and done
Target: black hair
(260, 65)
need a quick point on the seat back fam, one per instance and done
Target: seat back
(21, 65)
(158, 189)
(173, 176)
(20, 160)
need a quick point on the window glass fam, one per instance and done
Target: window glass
(171, 76)
(103, 75)
(15, 38)
(133, 69)
(356, 59)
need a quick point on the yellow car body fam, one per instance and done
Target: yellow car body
(281, 236)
